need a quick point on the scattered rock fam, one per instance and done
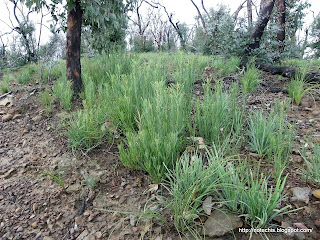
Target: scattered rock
(98, 235)
(20, 229)
(299, 236)
(301, 194)
(316, 193)
(7, 117)
(74, 188)
(37, 118)
(34, 225)
(207, 205)
(79, 220)
(16, 116)
(9, 173)
(35, 207)
(83, 235)
(48, 238)
(6, 101)
(133, 220)
(300, 225)
(220, 223)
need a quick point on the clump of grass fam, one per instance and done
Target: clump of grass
(188, 185)
(62, 90)
(244, 191)
(85, 128)
(250, 79)
(259, 203)
(281, 141)
(89, 181)
(312, 161)
(298, 87)
(53, 71)
(46, 100)
(272, 136)
(56, 177)
(4, 87)
(226, 66)
(161, 134)
(218, 116)
(27, 74)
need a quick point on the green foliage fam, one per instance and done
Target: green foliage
(142, 44)
(157, 144)
(226, 66)
(62, 90)
(245, 191)
(281, 141)
(271, 135)
(5, 82)
(312, 162)
(46, 100)
(219, 115)
(315, 32)
(224, 37)
(188, 185)
(56, 177)
(85, 128)
(89, 181)
(298, 87)
(53, 71)
(28, 74)
(230, 172)
(250, 79)
(259, 202)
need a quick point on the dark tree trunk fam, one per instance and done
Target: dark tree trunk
(281, 9)
(74, 22)
(256, 35)
(287, 72)
(249, 10)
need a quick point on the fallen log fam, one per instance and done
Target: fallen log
(287, 72)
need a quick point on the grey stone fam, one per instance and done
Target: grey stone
(301, 194)
(220, 223)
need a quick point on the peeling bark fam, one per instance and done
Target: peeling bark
(74, 22)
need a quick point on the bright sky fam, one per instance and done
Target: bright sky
(183, 11)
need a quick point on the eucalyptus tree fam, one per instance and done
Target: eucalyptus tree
(106, 19)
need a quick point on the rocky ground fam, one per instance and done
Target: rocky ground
(34, 206)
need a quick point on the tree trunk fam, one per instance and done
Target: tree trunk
(201, 17)
(281, 9)
(256, 35)
(249, 10)
(74, 22)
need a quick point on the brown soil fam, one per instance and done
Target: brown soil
(35, 207)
